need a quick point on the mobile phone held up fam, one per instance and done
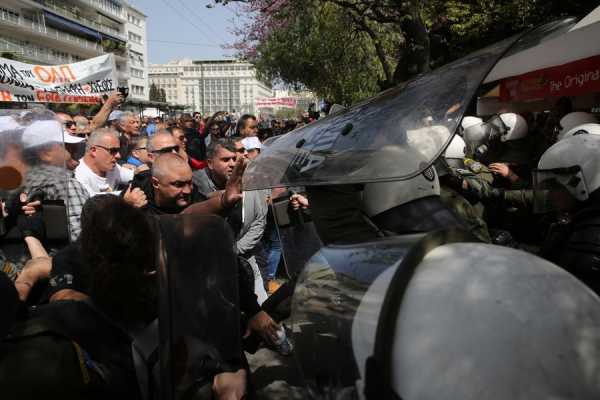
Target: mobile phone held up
(124, 90)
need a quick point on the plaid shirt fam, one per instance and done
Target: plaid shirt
(58, 184)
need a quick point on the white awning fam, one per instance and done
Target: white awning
(579, 42)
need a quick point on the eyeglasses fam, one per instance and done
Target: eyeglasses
(113, 151)
(165, 150)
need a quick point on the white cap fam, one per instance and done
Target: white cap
(251, 143)
(8, 123)
(48, 131)
(115, 115)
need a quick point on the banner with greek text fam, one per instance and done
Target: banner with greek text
(81, 82)
(289, 102)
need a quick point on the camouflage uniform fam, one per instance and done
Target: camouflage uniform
(464, 210)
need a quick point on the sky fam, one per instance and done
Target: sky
(187, 29)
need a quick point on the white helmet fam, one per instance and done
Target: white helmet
(512, 126)
(469, 121)
(483, 321)
(382, 196)
(573, 163)
(590, 129)
(456, 148)
(571, 120)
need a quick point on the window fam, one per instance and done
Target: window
(9, 15)
(134, 20)
(137, 73)
(134, 37)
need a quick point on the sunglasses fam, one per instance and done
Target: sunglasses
(113, 151)
(165, 150)
(69, 124)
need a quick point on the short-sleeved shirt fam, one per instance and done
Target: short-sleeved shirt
(96, 184)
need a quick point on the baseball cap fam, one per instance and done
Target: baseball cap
(8, 123)
(251, 143)
(48, 131)
(115, 115)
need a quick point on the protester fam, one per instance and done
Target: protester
(247, 220)
(252, 147)
(43, 150)
(68, 123)
(99, 171)
(139, 152)
(247, 126)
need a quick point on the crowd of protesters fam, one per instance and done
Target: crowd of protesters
(121, 172)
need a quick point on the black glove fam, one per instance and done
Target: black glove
(32, 226)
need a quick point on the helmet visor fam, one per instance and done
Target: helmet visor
(558, 189)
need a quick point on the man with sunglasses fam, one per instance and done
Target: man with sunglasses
(162, 142)
(98, 170)
(69, 125)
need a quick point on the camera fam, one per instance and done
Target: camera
(124, 90)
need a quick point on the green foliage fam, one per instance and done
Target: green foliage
(347, 50)
(320, 50)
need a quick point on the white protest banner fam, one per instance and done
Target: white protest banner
(289, 102)
(81, 82)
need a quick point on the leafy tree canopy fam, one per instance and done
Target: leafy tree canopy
(346, 50)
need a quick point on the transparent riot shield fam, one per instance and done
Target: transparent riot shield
(365, 143)
(199, 309)
(33, 164)
(327, 296)
(297, 234)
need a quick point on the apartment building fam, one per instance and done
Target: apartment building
(135, 27)
(208, 86)
(65, 31)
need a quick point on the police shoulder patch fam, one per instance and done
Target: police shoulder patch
(429, 174)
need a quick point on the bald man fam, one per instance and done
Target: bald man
(172, 185)
(162, 142)
(174, 192)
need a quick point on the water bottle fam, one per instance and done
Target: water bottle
(282, 344)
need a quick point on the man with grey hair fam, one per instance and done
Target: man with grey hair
(128, 127)
(98, 170)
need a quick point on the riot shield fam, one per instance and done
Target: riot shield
(33, 161)
(359, 144)
(297, 234)
(199, 309)
(326, 299)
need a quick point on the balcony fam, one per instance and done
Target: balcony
(68, 13)
(112, 8)
(34, 54)
(38, 29)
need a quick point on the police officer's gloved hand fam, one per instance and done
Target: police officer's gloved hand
(32, 225)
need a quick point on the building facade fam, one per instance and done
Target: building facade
(208, 86)
(55, 32)
(138, 53)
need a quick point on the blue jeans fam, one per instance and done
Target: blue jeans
(274, 248)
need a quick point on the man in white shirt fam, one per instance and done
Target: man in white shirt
(98, 170)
